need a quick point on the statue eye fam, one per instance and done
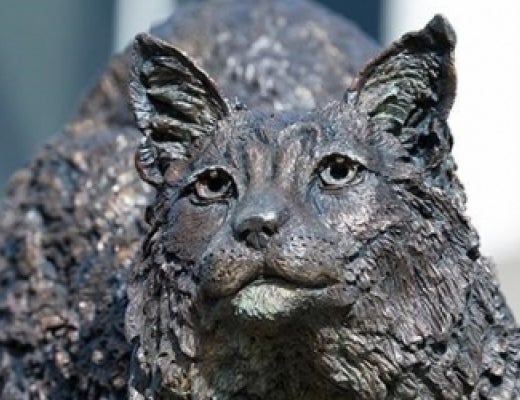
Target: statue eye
(337, 171)
(213, 185)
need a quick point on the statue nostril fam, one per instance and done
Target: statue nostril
(269, 231)
(257, 240)
(257, 230)
(243, 234)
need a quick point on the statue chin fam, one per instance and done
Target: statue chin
(277, 300)
(267, 300)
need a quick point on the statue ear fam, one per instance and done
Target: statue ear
(409, 89)
(174, 103)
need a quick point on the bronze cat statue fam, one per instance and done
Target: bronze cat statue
(300, 232)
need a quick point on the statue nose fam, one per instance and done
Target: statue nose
(256, 228)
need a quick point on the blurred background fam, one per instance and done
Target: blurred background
(50, 51)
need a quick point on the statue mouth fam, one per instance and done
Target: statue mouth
(221, 280)
(274, 286)
(293, 282)
(275, 298)
(267, 299)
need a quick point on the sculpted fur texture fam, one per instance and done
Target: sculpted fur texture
(305, 235)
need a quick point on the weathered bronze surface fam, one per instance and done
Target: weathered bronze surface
(306, 235)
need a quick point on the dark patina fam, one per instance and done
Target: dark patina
(305, 235)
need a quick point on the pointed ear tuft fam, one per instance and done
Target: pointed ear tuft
(418, 65)
(408, 91)
(174, 103)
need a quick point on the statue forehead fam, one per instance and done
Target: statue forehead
(252, 140)
(276, 130)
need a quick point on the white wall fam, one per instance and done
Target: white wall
(486, 117)
(135, 16)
